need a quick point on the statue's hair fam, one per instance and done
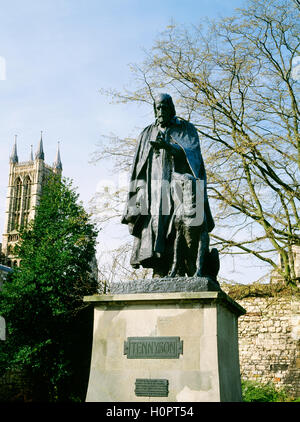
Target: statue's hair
(169, 100)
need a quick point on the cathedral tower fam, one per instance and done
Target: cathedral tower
(24, 189)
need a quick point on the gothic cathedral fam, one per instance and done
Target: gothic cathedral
(24, 188)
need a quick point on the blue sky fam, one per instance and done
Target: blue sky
(58, 54)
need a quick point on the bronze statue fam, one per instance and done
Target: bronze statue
(167, 209)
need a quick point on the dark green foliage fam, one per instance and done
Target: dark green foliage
(253, 391)
(42, 303)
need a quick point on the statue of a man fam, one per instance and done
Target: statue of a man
(167, 148)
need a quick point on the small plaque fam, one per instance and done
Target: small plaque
(151, 387)
(153, 347)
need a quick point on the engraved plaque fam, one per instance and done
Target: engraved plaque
(151, 387)
(153, 347)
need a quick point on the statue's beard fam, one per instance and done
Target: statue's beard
(164, 120)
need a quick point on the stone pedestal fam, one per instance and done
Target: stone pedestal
(165, 346)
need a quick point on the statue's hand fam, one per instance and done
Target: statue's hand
(130, 219)
(158, 144)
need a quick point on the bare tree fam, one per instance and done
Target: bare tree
(117, 268)
(237, 81)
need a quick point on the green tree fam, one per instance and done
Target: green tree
(238, 81)
(42, 302)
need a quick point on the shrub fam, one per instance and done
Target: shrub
(253, 391)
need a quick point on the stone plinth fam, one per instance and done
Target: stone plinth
(185, 344)
(166, 285)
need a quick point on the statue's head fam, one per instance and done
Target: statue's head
(164, 109)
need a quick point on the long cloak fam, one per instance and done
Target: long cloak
(151, 244)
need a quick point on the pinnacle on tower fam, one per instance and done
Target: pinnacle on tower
(14, 156)
(31, 153)
(40, 151)
(57, 163)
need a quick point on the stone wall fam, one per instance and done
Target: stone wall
(269, 335)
